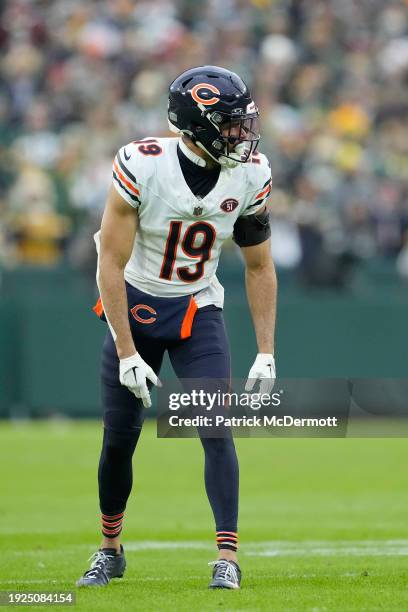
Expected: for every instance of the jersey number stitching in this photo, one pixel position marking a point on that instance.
(201, 251)
(148, 146)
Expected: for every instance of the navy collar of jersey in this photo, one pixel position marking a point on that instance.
(196, 159)
(200, 179)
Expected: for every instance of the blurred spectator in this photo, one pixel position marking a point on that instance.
(32, 220)
(78, 80)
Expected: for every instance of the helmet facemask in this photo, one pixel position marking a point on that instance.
(236, 138)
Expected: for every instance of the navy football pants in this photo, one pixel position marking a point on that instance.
(204, 355)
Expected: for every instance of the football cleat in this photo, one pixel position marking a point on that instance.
(226, 575)
(105, 565)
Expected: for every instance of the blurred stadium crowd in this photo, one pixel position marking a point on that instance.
(79, 79)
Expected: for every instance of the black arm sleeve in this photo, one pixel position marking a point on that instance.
(252, 229)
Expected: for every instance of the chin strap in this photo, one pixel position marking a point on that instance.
(196, 159)
(226, 162)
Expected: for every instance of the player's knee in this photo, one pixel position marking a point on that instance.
(119, 446)
(216, 447)
(121, 428)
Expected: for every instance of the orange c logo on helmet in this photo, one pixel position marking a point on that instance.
(146, 321)
(206, 101)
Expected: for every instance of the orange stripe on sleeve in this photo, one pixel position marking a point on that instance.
(124, 179)
(264, 192)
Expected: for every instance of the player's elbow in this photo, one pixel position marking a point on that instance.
(111, 263)
(261, 265)
(262, 272)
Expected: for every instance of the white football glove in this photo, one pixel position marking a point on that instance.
(133, 372)
(263, 370)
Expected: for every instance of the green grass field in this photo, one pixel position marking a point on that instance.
(323, 523)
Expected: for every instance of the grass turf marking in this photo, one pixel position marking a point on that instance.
(272, 548)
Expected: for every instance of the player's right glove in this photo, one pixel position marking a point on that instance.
(263, 370)
(133, 374)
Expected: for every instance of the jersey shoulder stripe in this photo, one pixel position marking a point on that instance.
(260, 183)
(262, 195)
(266, 187)
(125, 181)
(123, 167)
(130, 195)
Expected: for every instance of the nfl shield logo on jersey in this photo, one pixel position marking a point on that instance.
(198, 210)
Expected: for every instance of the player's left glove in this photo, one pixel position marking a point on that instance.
(263, 370)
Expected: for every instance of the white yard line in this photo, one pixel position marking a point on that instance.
(54, 583)
(273, 548)
(329, 548)
(11, 582)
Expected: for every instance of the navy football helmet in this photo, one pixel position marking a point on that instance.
(214, 107)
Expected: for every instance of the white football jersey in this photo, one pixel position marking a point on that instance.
(179, 239)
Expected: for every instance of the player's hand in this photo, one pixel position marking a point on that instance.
(263, 370)
(133, 374)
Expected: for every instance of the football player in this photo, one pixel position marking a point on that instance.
(172, 204)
